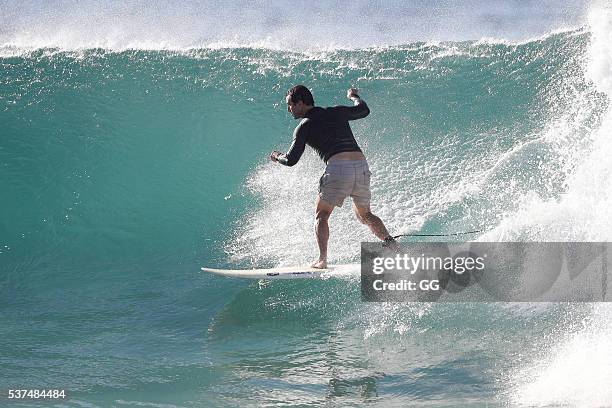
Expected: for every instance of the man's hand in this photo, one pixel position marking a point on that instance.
(274, 155)
(352, 92)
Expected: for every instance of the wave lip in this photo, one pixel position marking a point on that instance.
(279, 25)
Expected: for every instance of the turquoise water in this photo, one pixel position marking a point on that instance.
(122, 172)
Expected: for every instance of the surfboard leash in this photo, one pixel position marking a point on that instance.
(438, 235)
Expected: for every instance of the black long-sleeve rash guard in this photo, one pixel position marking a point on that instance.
(327, 131)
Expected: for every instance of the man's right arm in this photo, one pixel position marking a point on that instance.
(358, 111)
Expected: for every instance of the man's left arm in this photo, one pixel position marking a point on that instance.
(295, 151)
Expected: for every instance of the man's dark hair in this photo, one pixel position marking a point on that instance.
(300, 93)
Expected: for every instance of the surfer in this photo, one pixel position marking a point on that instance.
(327, 131)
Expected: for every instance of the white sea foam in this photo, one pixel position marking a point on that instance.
(283, 24)
(582, 212)
(577, 369)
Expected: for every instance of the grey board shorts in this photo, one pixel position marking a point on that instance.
(344, 178)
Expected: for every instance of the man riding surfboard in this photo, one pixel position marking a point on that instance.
(346, 174)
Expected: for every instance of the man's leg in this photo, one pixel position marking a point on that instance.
(365, 216)
(323, 210)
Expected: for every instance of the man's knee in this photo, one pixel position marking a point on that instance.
(322, 215)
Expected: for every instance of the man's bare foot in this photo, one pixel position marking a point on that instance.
(319, 264)
(391, 244)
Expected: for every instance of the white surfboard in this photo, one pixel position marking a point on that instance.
(289, 272)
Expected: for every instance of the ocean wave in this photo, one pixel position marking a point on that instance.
(281, 25)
